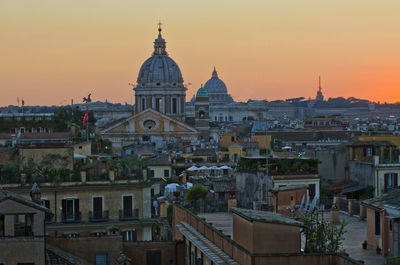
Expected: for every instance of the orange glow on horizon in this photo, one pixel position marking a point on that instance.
(52, 52)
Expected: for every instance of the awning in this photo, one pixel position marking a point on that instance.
(193, 168)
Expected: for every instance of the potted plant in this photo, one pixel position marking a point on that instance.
(378, 250)
(364, 244)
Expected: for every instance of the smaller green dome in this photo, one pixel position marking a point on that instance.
(202, 92)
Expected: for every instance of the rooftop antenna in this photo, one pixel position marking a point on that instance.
(319, 79)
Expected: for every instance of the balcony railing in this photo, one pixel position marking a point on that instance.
(127, 214)
(98, 216)
(71, 218)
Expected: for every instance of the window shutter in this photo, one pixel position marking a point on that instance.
(76, 202)
(64, 209)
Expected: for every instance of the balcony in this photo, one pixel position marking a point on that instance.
(98, 216)
(71, 217)
(128, 214)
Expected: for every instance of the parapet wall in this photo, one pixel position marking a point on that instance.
(240, 254)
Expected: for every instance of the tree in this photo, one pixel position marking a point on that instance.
(9, 173)
(196, 192)
(322, 236)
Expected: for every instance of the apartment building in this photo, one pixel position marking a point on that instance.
(101, 208)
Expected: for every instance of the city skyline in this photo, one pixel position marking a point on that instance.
(53, 53)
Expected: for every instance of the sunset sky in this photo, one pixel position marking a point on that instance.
(55, 51)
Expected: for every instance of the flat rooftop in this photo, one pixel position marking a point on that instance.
(221, 221)
(266, 217)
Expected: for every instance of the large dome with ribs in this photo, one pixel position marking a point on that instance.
(160, 68)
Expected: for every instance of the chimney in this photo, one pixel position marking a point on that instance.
(36, 194)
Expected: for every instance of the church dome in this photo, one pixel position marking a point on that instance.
(159, 67)
(202, 92)
(215, 85)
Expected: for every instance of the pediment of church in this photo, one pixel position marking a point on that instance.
(149, 121)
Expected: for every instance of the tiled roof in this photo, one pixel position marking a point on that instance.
(283, 155)
(44, 135)
(266, 217)
(249, 144)
(290, 187)
(8, 195)
(312, 136)
(223, 185)
(306, 176)
(54, 254)
(371, 143)
(161, 160)
(390, 198)
(204, 152)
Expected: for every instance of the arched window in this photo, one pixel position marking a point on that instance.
(202, 114)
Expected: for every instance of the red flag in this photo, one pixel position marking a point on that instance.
(85, 117)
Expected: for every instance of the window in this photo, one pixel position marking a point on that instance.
(174, 105)
(143, 103)
(48, 216)
(390, 180)
(149, 124)
(377, 224)
(368, 151)
(158, 104)
(202, 114)
(1, 225)
(264, 192)
(101, 259)
(23, 225)
(127, 205)
(391, 225)
(129, 235)
(166, 173)
(150, 173)
(46, 203)
(97, 205)
(70, 210)
(311, 189)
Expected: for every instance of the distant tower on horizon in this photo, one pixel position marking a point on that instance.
(320, 96)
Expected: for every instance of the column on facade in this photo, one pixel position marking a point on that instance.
(163, 105)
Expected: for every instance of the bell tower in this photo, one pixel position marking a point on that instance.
(202, 114)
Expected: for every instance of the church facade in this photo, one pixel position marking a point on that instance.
(160, 114)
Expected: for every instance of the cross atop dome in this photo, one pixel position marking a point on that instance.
(159, 28)
(159, 43)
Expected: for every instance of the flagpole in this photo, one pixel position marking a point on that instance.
(87, 131)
